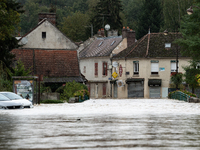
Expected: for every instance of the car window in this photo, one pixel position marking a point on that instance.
(12, 96)
(4, 98)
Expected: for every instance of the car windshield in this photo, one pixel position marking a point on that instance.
(4, 98)
(12, 96)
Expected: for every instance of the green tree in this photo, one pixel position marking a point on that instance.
(150, 17)
(190, 31)
(173, 11)
(19, 69)
(190, 72)
(5, 83)
(9, 12)
(107, 12)
(74, 26)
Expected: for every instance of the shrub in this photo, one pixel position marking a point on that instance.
(184, 91)
(70, 88)
(51, 101)
(83, 93)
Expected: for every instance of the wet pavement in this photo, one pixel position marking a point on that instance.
(103, 124)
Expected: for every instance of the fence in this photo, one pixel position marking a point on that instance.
(180, 96)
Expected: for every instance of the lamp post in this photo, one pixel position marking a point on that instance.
(166, 33)
(190, 10)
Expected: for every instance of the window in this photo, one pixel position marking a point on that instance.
(96, 69)
(136, 67)
(173, 66)
(167, 45)
(104, 68)
(84, 69)
(154, 67)
(43, 35)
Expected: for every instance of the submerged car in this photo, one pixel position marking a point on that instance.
(6, 103)
(16, 98)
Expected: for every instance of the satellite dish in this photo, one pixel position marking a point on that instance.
(24, 40)
(107, 27)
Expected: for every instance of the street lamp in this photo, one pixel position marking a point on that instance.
(166, 33)
(190, 10)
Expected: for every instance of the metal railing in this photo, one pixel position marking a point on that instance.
(180, 96)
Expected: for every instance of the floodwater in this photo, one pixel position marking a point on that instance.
(103, 125)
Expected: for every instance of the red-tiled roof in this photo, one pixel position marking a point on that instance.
(49, 63)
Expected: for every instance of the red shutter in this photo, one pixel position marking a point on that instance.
(106, 71)
(104, 88)
(96, 69)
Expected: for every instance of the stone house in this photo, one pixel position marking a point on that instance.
(96, 63)
(48, 52)
(146, 67)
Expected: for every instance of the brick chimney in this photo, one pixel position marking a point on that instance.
(51, 17)
(129, 34)
(102, 32)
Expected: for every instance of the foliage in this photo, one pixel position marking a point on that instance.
(74, 26)
(5, 83)
(107, 12)
(19, 69)
(70, 88)
(52, 101)
(190, 31)
(150, 17)
(9, 18)
(173, 11)
(45, 89)
(177, 79)
(190, 72)
(83, 93)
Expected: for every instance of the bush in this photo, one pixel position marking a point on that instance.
(82, 93)
(70, 88)
(184, 91)
(51, 101)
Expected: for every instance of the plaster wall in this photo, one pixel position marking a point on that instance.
(145, 72)
(54, 38)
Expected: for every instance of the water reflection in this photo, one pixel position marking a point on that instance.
(100, 132)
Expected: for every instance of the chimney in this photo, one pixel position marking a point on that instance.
(99, 32)
(102, 32)
(130, 37)
(51, 17)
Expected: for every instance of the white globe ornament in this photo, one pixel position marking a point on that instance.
(107, 27)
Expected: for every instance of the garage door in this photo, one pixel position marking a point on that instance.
(154, 92)
(135, 89)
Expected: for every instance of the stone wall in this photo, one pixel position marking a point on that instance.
(50, 96)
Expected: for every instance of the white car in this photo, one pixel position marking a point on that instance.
(16, 98)
(6, 103)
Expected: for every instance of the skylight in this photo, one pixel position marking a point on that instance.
(112, 43)
(100, 43)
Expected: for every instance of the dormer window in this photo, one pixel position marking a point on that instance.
(167, 45)
(43, 35)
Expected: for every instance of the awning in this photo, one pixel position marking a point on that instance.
(154, 82)
(134, 80)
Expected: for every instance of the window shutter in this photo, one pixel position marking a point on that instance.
(96, 69)
(154, 67)
(173, 66)
(106, 71)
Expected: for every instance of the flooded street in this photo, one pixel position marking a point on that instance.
(103, 124)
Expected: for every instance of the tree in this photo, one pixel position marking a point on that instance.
(9, 11)
(107, 12)
(19, 69)
(74, 26)
(173, 10)
(190, 72)
(190, 31)
(150, 17)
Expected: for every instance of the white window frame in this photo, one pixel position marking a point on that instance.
(167, 45)
(154, 67)
(173, 66)
(136, 67)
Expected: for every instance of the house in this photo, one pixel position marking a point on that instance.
(146, 67)
(96, 63)
(48, 52)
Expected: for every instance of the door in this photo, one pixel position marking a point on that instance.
(136, 89)
(154, 92)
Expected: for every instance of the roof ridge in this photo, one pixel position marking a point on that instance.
(137, 45)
